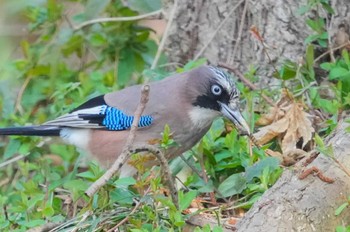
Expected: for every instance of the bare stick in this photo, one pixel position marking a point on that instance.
(246, 82)
(331, 50)
(18, 106)
(342, 167)
(239, 37)
(14, 159)
(117, 19)
(127, 147)
(165, 36)
(217, 30)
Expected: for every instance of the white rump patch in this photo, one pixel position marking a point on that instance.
(76, 137)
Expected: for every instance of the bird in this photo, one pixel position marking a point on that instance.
(187, 102)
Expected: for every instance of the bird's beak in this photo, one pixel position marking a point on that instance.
(235, 116)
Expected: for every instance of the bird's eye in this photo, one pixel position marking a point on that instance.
(216, 90)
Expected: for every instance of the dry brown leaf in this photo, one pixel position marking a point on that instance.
(267, 133)
(276, 112)
(273, 153)
(290, 128)
(299, 127)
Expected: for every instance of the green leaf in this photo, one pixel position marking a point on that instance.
(122, 196)
(234, 184)
(323, 42)
(310, 56)
(257, 169)
(77, 187)
(341, 229)
(94, 8)
(12, 148)
(186, 199)
(125, 182)
(341, 208)
(217, 229)
(311, 38)
(313, 24)
(318, 140)
(327, 7)
(303, 9)
(48, 211)
(338, 73)
(145, 6)
(327, 66)
(87, 175)
(328, 105)
(97, 40)
(288, 71)
(126, 66)
(32, 223)
(346, 57)
(207, 188)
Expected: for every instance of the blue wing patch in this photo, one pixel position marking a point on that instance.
(115, 119)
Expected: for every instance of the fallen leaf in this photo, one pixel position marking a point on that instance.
(267, 133)
(299, 127)
(290, 126)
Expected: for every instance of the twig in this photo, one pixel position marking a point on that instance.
(165, 35)
(131, 213)
(127, 147)
(14, 159)
(246, 82)
(328, 22)
(342, 167)
(116, 19)
(240, 30)
(164, 167)
(194, 169)
(331, 50)
(217, 29)
(18, 105)
(304, 89)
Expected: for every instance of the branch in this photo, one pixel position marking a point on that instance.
(116, 19)
(127, 147)
(239, 37)
(332, 50)
(165, 35)
(14, 159)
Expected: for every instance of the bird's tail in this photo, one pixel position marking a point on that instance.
(31, 131)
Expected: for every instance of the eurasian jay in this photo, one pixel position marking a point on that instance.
(188, 102)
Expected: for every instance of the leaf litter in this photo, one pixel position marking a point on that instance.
(291, 125)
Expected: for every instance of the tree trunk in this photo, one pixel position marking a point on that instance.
(219, 30)
(309, 204)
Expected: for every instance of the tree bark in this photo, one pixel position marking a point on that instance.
(309, 204)
(196, 32)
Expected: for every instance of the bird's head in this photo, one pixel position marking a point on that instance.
(213, 93)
